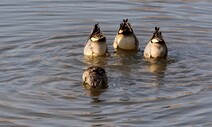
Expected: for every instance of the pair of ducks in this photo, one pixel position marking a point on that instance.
(95, 77)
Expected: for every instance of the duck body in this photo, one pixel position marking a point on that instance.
(95, 77)
(125, 38)
(93, 48)
(96, 44)
(156, 47)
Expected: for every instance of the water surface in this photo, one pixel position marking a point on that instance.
(41, 53)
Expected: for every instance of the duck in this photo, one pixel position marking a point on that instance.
(96, 44)
(125, 38)
(156, 47)
(95, 77)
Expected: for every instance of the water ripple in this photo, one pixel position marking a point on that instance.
(42, 63)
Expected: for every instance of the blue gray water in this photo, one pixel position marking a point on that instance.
(41, 64)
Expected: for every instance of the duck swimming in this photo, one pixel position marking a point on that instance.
(125, 38)
(95, 77)
(156, 47)
(96, 44)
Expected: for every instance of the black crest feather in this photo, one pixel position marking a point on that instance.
(96, 33)
(126, 27)
(157, 35)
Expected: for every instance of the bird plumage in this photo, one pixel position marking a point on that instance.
(96, 44)
(95, 77)
(156, 47)
(125, 38)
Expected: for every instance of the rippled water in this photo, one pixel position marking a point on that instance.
(41, 45)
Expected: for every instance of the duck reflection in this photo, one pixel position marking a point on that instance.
(94, 93)
(96, 61)
(126, 57)
(124, 53)
(156, 66)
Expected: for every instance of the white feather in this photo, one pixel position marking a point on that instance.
(155, 40)
(94, 39)
(120, 31)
